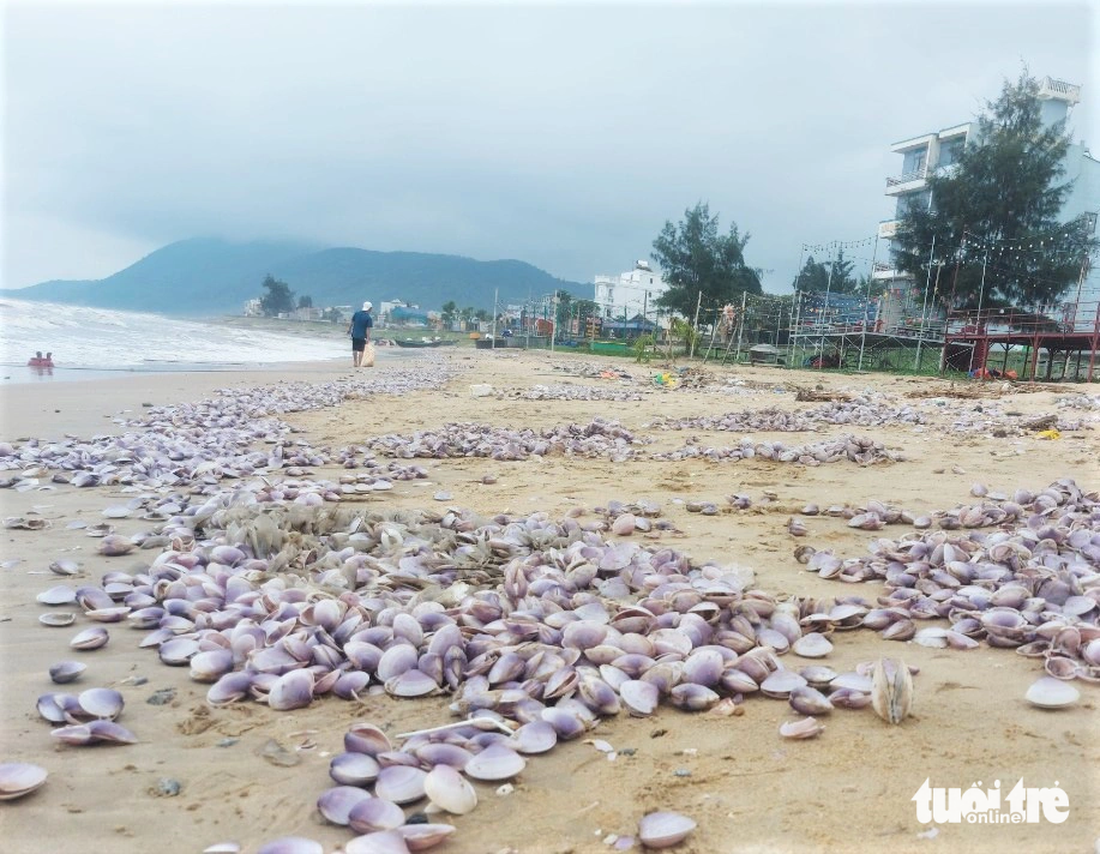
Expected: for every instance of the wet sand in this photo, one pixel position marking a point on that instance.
(850, 789)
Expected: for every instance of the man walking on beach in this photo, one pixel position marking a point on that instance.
(359, 330)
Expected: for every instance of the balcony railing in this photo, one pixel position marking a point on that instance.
(888, 229)
(907, 177)
(1049, 87)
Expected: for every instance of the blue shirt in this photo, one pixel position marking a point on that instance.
(361, 321)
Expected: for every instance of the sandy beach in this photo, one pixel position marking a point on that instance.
(246, 774)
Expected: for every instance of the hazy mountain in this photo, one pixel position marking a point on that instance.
(211, 276)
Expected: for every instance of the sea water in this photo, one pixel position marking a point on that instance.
(88, 342)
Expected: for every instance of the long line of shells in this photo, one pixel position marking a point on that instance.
(598, 438)
(208, 441)
(868, 410)
(856, 449)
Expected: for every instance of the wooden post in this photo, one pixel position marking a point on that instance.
(740, 327)
(695, 325)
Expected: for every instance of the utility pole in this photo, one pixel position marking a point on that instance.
(553, 318)
(496, 297)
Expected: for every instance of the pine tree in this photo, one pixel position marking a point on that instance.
(812, 278)
(1000, 205)
(695, 258)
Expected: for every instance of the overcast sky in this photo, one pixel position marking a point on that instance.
(564, 135)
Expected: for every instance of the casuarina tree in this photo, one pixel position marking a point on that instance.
(695, 258)
(999, 208)
(279, 298)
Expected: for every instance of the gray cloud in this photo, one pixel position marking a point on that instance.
(561, 135)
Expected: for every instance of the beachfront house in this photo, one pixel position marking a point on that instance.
(936, 151)
(630, 293)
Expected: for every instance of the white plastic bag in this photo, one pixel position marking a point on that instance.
(368, 355)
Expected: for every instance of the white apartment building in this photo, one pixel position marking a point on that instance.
(631, 293)
(936, 152)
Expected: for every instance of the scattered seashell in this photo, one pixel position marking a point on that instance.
(1050, 693)
(664, 829)
(804, 728)
(892, 690)
(18, 779)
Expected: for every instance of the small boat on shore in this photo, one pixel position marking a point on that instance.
(40, 361)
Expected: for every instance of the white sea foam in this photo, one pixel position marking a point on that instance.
(95, 338)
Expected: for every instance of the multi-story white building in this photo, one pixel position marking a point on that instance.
(630, 293)
(935, 153)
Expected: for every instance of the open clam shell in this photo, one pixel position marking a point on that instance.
(366, 738)
(20, 778)
(57, 619)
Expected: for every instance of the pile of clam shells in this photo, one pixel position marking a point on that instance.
(598, 438)
(437, 765)
(90, 717)
(1088, 402)
(206, 441)
(1021, 573)
(592, 370)
(856, 449)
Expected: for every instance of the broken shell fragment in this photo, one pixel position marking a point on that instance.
(57, 619)
(805, 728)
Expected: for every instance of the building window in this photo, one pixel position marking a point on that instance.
(950, 151)
(914, 161)
(910, 201)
